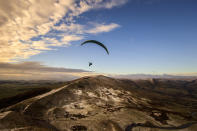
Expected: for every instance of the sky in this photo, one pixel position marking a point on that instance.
(142, 36)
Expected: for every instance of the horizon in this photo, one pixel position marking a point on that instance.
(37, 71)
(144, 37)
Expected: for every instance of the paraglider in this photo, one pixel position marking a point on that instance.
(96, 42)
(90, 63)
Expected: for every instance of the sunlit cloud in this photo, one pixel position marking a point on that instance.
(69, 38)
(25, 26)
(99, 28)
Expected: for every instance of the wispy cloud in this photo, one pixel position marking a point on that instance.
(69, 38)
(99, 28)
(21, 21)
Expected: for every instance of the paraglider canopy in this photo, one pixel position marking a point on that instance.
(97, 43)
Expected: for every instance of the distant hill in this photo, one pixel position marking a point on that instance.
(150, 76)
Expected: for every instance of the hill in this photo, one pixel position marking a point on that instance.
(102, 103)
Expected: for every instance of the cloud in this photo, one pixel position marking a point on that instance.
(91, 28)
(69, 38)
(110, 4)
(35, 66)
(99, 28)
(70, 28)
(29, 27)
(37, 71)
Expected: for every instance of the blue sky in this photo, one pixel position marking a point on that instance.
(142, 36)
(157, 37)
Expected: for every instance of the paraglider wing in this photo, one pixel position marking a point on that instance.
(98, 43)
